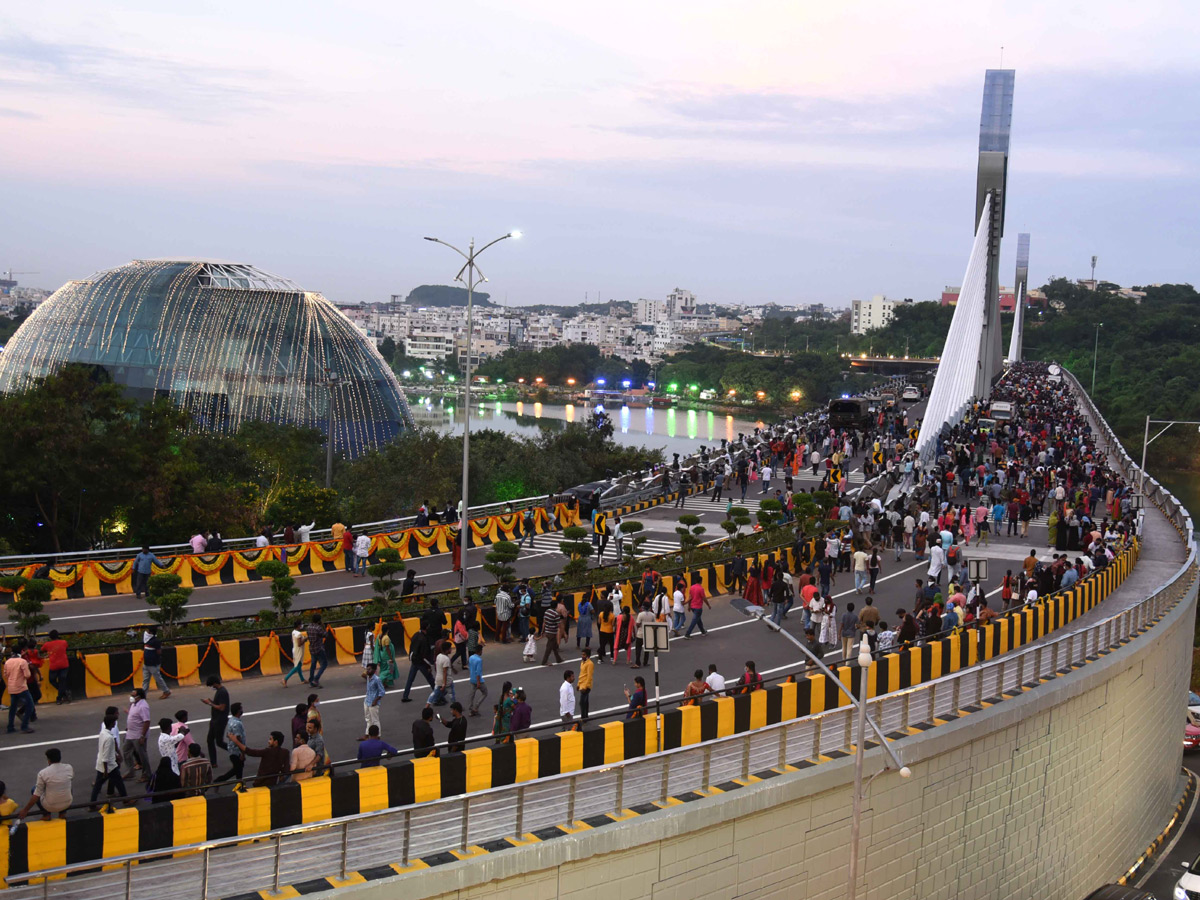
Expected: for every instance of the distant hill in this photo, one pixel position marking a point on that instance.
(444, 295)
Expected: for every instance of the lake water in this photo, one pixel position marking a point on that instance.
(1184, 485)
(669, 430)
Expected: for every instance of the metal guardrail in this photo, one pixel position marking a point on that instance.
(403, 835)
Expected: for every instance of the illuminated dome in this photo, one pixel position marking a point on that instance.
(227, 342)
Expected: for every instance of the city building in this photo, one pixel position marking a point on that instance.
(867, 315)
(1008, 297)
(227, 342)
(431, 347)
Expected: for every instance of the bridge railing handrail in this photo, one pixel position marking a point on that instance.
(524, 807)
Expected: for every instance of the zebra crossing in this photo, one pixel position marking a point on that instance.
(653, 546)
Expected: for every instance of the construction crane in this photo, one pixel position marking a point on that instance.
(10, 273)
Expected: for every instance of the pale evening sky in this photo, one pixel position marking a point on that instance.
(752, 152)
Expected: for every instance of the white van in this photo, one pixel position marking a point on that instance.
(1002, 411)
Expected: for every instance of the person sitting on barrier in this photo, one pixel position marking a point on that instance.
(637, 699)
(195, 772)
(424, 743)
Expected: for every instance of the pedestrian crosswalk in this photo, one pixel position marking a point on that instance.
(552, 543)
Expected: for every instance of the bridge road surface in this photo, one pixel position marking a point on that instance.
(733, 638)
(329, 588)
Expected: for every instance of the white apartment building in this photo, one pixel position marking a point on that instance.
(867, 315)
(680, 303)
(430, 347)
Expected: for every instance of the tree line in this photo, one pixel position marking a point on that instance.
(86, 467)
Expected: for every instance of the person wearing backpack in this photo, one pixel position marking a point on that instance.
(418, 661)
(527, 528)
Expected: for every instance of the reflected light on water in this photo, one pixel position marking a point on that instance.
(570, 411)
(671, 422)
(691, 423)
(520, 408)
(624, 420)
(537, 410)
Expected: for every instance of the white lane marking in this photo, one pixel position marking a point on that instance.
(488, 675)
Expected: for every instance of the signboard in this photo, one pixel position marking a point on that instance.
(1137, 501)
(656, 636)
(977, 570)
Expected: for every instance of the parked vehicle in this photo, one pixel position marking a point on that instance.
(911, 394)
(1002, 411)
(1188, 885)
(1191, 737)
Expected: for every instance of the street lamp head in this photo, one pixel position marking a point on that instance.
(514, 234)
(431, 239)
(864, 653)
(905, 772)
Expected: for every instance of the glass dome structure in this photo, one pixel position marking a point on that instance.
(227, 342)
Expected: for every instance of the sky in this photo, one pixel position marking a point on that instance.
(750, 152)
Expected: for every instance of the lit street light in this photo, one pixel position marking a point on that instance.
(473, 277)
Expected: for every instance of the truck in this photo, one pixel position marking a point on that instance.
(849, 412)
(1002, 411)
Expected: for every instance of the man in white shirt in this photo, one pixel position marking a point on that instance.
(304, 532)
(766, 479)
(362, 549)
(108, 762)
(715, 681)
(678, 610)
(566, 696)
(937, 561)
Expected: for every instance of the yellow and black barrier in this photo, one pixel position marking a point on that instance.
(401, 782)
(95, 578)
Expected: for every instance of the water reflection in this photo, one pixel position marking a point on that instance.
(672, 430)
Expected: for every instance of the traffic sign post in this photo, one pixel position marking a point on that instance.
(656, 638)
(977, 573)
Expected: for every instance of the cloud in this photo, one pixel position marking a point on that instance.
(6, 113)
(172, 87)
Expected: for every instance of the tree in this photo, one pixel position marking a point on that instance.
(283, 585)
(499, 560)
(577, 550)
(739, 518)
(30, 595)
(384, 581)
(303, 501)
(689, 531)
(387, 348)
(769, 514)
(633, 546)
(164, 592)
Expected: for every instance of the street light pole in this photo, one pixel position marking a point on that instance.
(860, 703)
(1095, 354)
(1147, 441)
(474, 277)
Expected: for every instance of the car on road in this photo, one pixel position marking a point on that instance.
(1194, 708)
(911, 394)
(1191, 737)
(1188, 885)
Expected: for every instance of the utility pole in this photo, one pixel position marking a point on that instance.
(1095, 354)
(1094, 285)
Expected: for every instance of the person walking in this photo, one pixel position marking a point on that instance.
(137, 727)
(299, 639)
(874, 564)
(443, 684)
(718, 487)
(479, 689)
(696, 602)
(849, 624)
(319, 660)
(17, 676)
(583, 624)
(143, 566)
(235, 741)
(374, 696)
(219, 717)
(551, 631)
(504, 613)
(566, 697)
(108, 759)
(418, 663)
(151, 660)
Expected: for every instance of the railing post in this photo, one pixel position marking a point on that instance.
(706, 774)
(904, 711)
(746, 756)
(278, 854)
(466, 822)
(783, 746)
(956, 694)
(571, 798)
(204, 875)
(932, 700)
(129, 879)
(620, 789)
(408, 831)
(345, 847)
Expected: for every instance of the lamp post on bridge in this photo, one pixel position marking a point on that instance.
(860, 704)
(1147, 441)
(474, 277)
(1095, 354)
